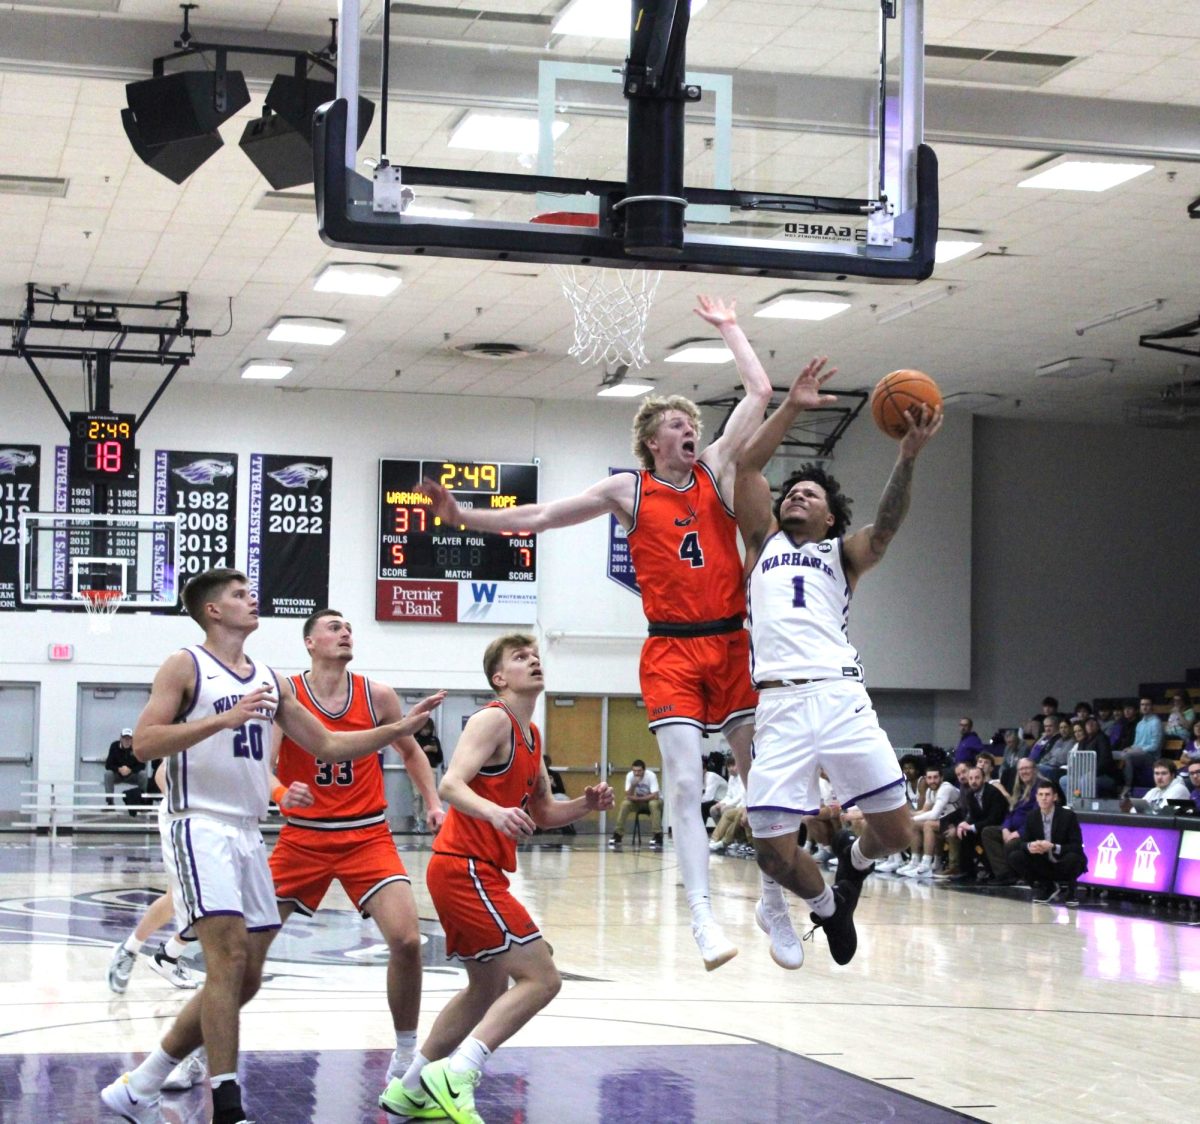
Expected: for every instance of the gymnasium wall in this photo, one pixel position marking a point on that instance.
(910, 618)
(1086, 574)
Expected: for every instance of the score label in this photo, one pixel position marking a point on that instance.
(428, 571)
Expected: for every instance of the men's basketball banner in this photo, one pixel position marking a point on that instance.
(20, 471)
(288, 556)
(620, 564)
(201, 488)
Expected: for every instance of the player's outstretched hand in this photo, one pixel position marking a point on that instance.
(259, 703)
(445, 506)
(599, 797)
(425, 707)
(715, 310)
(434, 818)
(805, 392)
(513, 822)
(923, 424)
(298, 795)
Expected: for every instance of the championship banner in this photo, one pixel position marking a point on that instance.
(201, 488)
(20, 472)
(288, 557)
(620, 564)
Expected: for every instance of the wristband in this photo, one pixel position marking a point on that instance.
(278, 793)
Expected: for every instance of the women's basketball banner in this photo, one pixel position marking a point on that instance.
(288, 557)
(20, 470)
(620, 564)
(201, 488)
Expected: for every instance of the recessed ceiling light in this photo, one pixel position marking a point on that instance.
(491, 133)
(625, 390)
(948, 250)
(814, 307)
(295, 329)
(600, 19)
(701, 355)
(1085, 175)
(266, 369)
(358, 280)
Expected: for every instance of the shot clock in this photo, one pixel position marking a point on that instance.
(101, 447)
(432, 572)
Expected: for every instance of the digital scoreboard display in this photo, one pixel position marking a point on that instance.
(101, 446)
(428, 571)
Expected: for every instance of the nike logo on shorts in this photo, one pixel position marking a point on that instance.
(860, 709)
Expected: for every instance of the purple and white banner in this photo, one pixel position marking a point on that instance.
(20, 473)
(620, 564)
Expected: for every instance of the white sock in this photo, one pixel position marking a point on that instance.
(406, 1044)
(681, 754)
(174, 948)
(772, 894)
(926, 862)
(701, 908)
(857, 859)
(472, 1054)
(132, 944)
(823, 905)
(412, 1076)
(147, 1079)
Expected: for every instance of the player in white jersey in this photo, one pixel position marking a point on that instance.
(814, 712)
(210, 714)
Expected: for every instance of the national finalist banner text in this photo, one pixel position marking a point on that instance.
(287, 559)
(20, 472)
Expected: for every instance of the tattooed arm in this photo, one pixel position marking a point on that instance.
(867, 546)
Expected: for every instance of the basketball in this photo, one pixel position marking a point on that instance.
(895, 394)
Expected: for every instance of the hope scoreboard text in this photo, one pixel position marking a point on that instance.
(428, 571)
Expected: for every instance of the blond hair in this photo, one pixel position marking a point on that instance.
(494, 653)
(649, 417)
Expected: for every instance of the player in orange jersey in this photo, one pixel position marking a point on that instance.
(695, 679)
(499, 791)
(344, 834)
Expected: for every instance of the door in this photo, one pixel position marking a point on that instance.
(18, 748)
(104, 710)
(575, 743)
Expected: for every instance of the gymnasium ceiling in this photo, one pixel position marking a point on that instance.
(1051, 262)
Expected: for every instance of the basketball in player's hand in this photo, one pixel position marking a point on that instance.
(895, 394)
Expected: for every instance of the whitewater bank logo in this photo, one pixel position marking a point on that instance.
(503, 597)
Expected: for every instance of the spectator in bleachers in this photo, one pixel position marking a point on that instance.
(1048, 737)
(1020, 804)
(914, 787)
(1014, 750)
(969, 742)
(1108, 771)
(1053, 763)
(1049, 855)
(1191, 748)
(1181, 718)
(1083, 711)
(1193, 780)
(641, 795)
(713, 785)
(1049, 710)
(940, 797)
(1123, 732)
(728, 812)
(984, 807)
(121, 767)
(1167, 786)
(1108, 719)
(1146, 746)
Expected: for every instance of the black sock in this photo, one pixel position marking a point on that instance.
(227, 1103)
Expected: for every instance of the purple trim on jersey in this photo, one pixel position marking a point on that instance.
(261, 928)
(253, 667)
(873, 792)
(195, 687)
(187, 836)
(227, 913)
(783, 808)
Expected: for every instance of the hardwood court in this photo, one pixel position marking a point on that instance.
(978, 1006)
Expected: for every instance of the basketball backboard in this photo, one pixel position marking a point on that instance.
(66, 558)
(786, 145)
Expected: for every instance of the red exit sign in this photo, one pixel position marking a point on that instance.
(61, 652)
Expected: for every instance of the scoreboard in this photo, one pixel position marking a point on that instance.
(428, 571)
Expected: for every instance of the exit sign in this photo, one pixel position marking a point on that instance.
(61, 652)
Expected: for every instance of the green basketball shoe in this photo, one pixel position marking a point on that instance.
(455, 1092)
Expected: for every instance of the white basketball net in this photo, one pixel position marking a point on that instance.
(611, 307)
(101, 606)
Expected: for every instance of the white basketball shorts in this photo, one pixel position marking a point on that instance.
(216, 868)
(799, 731)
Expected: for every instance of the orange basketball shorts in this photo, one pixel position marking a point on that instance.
(478, 912)
(701, 681)
(306, 860)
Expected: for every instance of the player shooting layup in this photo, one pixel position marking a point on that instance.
(813, 711)
(678, 515)
(209, 714)
(344, 834)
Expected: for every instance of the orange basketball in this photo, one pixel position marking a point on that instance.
(895, 394)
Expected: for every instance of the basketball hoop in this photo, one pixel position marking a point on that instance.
(611, 306)
(101, 604)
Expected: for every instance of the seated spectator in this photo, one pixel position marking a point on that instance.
(121, 767)
(1108, 772)
(1014, 750)
(985, 761)
(996, 839)
(1182, 716)
(940, 796)
(1049, 710)
(728, 811)
(1047, 739)
(641, 795)
(559, 791)
(1126, 727)
(1191, 748)
(1167, 786)
(1107, 719)
(1146, 745)
(713, 785)
(1053, 763)
(1083, 711)
(1078, 738)
(1049, 855)
(1193, 780)
(914, 789)
(983, 807)
(969, 742)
